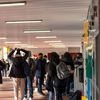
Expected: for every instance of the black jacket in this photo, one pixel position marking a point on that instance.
(2, 66)
(40, 68)
(53, 81)
(22, 71)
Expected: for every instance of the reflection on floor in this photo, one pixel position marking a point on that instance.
(6, 91)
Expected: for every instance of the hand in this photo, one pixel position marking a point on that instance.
(15, 48)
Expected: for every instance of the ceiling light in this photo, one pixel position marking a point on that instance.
(12, 3)
(21, 44)
(31, 47)
(42, 37)
(25, 46)
(13, 42)
(23, 21)
(57, 45)
(37, 31)
(53, 41)
(3, 38)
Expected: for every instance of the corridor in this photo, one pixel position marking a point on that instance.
(6, 91)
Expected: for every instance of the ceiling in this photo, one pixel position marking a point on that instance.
(64, 17)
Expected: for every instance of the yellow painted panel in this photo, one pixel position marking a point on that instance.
(84, 98)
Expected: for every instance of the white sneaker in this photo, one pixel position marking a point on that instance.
(36, 89)
(30, 98)
(24, 98)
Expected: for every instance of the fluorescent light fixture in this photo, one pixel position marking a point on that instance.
(23, 21)
(13, 42)
(25, 46)
(3, 38)
(21, 44)
(43, 37)
(53, 41)
(37, 31)
(31, 47)
(57, 45)
(20, 3)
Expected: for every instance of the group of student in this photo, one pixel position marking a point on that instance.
(23, 68)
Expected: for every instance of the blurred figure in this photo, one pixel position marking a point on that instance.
(7, 64)
(67, 58)
(29, 79)
(2, 66)
(54, 85)
(78, 59)
(4, 71)
(40, 72)
(18, 71)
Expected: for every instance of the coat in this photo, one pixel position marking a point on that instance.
(20, 70)
(2, 66)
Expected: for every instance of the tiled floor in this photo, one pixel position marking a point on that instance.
(6, 91)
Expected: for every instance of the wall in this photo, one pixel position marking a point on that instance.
(98, 60)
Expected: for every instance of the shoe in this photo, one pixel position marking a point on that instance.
(30, 98)
(24, 98)
(36, 89)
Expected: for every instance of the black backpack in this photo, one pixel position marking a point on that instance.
(76, 95)
(63, 70)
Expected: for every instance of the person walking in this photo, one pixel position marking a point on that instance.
(40, 72)
(67, 59)
(2, 66)
(29, 79)
(54, 85)
(18, 71)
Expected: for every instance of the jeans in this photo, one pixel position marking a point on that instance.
(28, 85)
(51, 95)
(40, 82)
(69, 85)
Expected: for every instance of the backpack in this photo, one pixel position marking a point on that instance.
(62, 70)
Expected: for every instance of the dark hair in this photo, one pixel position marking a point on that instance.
(54, 60)
(67, 58)
(45, 56)
(54, 57)
(40, 54)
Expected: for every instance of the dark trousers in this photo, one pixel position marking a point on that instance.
(39, 83)
(69, 81)
(28, 86)
(57, 95)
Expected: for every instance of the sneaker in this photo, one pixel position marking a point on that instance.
(36, 89)
(30, 98)
(24, 98)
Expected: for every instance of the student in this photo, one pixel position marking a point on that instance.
(19, 71)
(2, 66)
(29, 79)
(54, 85)
(40, 73)
(67, 58)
